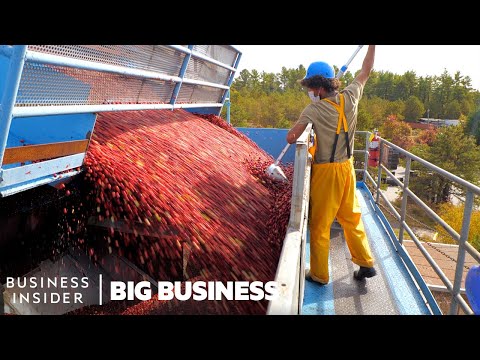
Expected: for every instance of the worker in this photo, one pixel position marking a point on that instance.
(333, 114)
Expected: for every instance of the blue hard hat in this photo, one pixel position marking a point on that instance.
(472, 287)
(320, 68)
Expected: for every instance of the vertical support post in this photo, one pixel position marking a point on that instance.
(365, 166)
(9, 94)
(379, 178)
(467, 214)
(229, 82)
(227, 104)
(406, 180)
(181, 75)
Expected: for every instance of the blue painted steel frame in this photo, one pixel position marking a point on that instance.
(230, 81)
(271, 141)
(181, 75)
(227, 104)
(50, 129)
(31, 172)
(15, 129)
(34, 130)
(9, 94)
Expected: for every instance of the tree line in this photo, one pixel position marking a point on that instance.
(261, 99)
(389, 103)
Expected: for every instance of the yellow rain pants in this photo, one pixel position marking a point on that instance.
(332, 194)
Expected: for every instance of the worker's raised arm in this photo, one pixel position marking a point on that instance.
(367, 65)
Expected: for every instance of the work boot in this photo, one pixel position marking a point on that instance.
(364, 272)
(310, 277)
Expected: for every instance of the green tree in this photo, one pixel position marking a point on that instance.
(442, 93)
(371, 90)
(269, 82)
(424, 90)
(364, 120)
(453, 151)
(242, 81)
(462, 93)
(288, 78)
(386, 85)
(385, 94)
(346, 79)
(377, 108)
(241, 104)
(414, 109)
(473, 126)
(283, 123)
(453, 110)
(294, 102)
(255, 82)
(396, 108)
(467, 106)
(405, 85)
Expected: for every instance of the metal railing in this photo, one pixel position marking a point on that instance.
(464, 247)
(290, 270)
(49, 59)
(40, 80)
(290, 276)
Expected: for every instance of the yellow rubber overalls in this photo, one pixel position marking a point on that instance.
(332, 194)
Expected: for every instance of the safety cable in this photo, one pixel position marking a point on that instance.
(418, 236)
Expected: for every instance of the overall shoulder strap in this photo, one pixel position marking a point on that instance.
(342, 120)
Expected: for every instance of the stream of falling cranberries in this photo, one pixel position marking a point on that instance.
(163, 187)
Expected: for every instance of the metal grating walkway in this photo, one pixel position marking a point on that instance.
(391, 292)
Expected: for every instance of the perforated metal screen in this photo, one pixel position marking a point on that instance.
(201, 70)
(223, 53)
(146, 57)
(195, 94)
(45, 84)
(56, 85)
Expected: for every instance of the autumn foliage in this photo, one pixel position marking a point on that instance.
(427, 136)
(453, 215)
(397, 132)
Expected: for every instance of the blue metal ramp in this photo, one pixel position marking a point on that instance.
(391, 292)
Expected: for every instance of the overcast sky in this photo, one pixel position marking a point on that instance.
(423, 59)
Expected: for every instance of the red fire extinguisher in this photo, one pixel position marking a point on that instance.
(374, 149)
